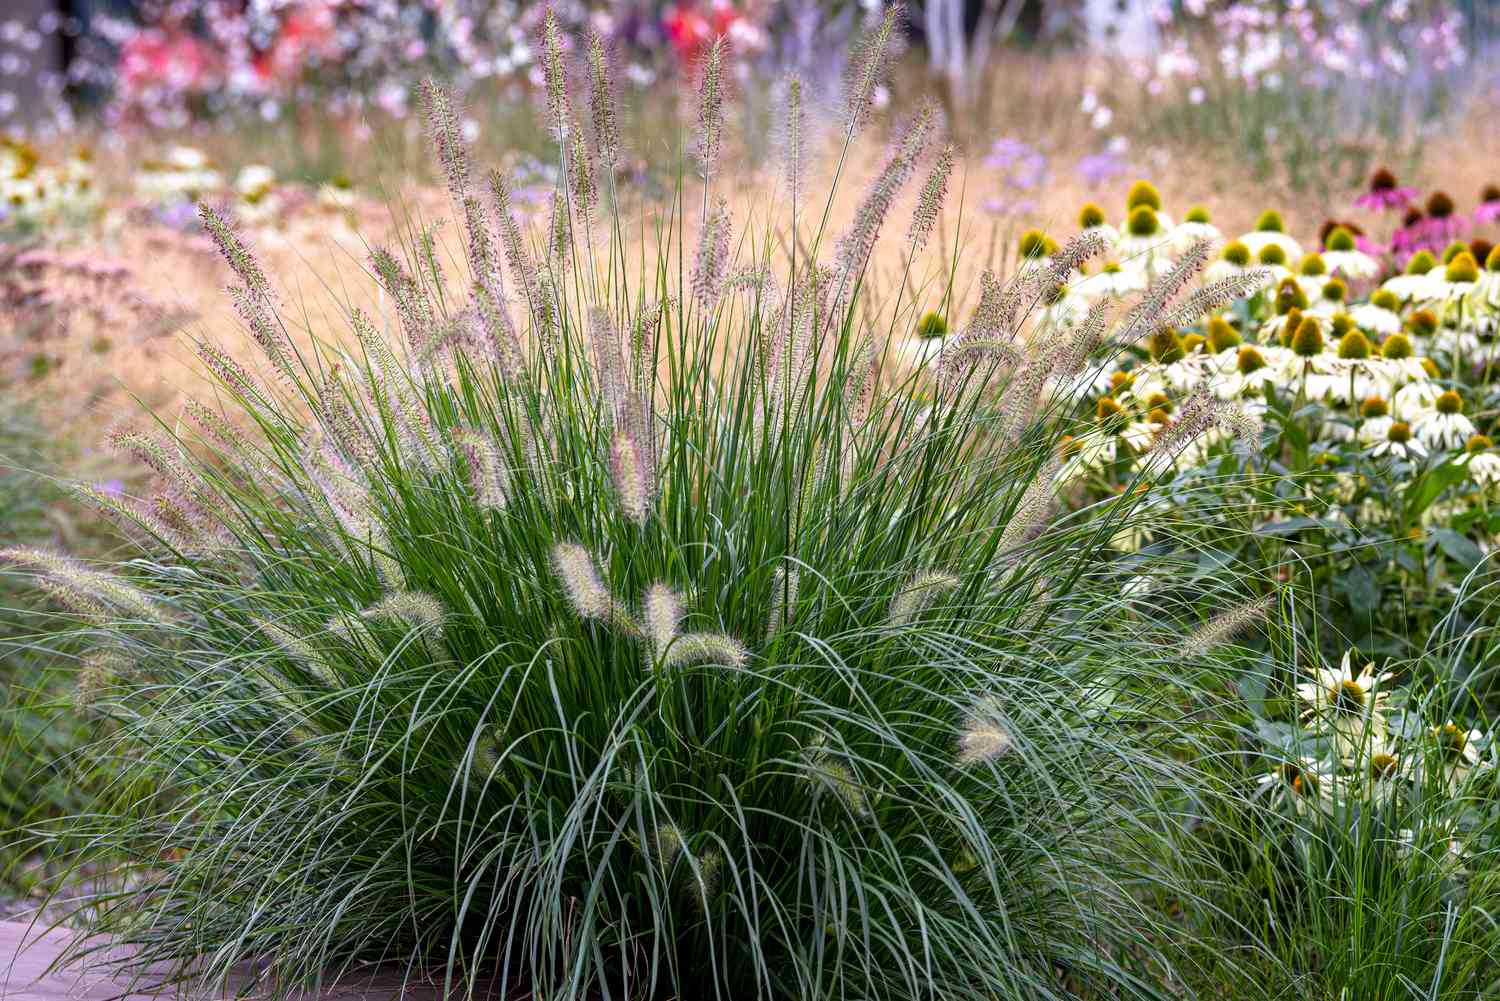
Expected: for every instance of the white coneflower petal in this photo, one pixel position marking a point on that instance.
(691, 649)
(663, 614)
(1225, 627)
(919, 592)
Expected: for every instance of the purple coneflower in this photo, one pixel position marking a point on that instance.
(1384, 193)
(1489, 205)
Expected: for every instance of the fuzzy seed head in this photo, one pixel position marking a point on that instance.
(602, 104)
(919, 592)
(1220, 630)
(627, 468)
(930, 201)
(707, 648)
(711, 107)
(663, 614)
(581, 582)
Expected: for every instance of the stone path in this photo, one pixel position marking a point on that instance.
(26, 951)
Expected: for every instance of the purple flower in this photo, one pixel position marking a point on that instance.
(1097, 169)
(1001, 206)
(111, 488)
(1386, 199)
(1487, 212)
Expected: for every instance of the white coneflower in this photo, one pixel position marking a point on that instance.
(1376, 317)
(691, 649)
(662, 611)
(1351, 704)
(1343, 257)
(1457, 750)
(1483, 467)
(632, 481)
(1271, 231)
(1195, 226)
(711, 107)
(415, 610)
(1398, 442)
(1226, 626)
(1444, 426)
(930, 201)
(919, 592)
(1305, 784)
(1419, 282)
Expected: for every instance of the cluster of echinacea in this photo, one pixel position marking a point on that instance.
(35, 194)
(1366, 741)
(1395, 371)
(1429, 223)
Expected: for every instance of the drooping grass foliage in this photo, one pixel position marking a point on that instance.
(641, 644)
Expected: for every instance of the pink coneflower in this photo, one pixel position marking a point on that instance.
(1489, 205)
(1442, 224)
(1384, 193)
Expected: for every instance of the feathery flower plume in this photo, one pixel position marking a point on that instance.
(1082, 247)
(666, 845)
(1200, 412)
(1033, 510)
(241, 261)
(795, 139)
(217, 427)
(523, 269)
(633, 487)
(1019, 402)
(583, 188)
(85, 606)
(487, 477)
(984, 737)
(1223, 628)
(497, 332)
(96, 672)
(836, 776)
(555, 78)
(1217, 294)
(919, 592)
(231, 373)
(82, 587)
(123, 513)
(414, 610)
(253, 313)
(486, 758)
(1084, 341)
(442, 121)
(602, 104)
(559, 230)
(713, 256)
(344, 428)
(966, 351)
(869, 67)
(609, 365)
(580, 579)
(930, 201)
(706, 648)
(412, 305)
(163, 459)
(711, 107)
(859, 240)
(709, 875)
(783, 599)
(663, 614)
(300, 650)
(1146, 314)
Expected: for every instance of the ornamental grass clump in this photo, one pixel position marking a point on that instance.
(634, 639)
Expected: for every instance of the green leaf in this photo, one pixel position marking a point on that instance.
(1362, 590)
(1458, 548)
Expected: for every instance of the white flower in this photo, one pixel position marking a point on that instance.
(1262, 238)
(254, 182)
(1440, 431)
(1303, 784)
(1355, 265)
(1368, 316)
(1185, 234)
(1416, 288)
(1484, 468)
(1415, 399)
(1351, 705)
(1112, 281)
(1398, 442)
